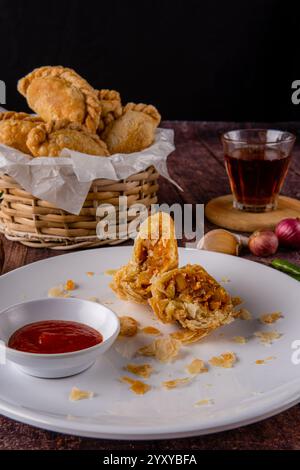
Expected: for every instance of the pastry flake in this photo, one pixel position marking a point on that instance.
(239, 339)
(197, 366)
(58, 291)
(128, 326)
(70, 285)
(170, 384)
(225, 360)
(48, 140)
(141, 370)
(155, 251)
(186, 336)
(237, 300)
(191, 297)
(267, 337)
(136, 386)
(264, 361)
(244, 314)
(77, 394)
(269, 318)
(14, 129)
(57, 93)
(163, 349)
(133, 131)
(151, 330)
(205, 401)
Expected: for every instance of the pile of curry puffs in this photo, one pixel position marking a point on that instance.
(70, 113)
(188, 296)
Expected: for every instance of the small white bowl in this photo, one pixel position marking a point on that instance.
(64, 364)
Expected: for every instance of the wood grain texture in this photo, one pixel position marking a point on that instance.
(197, 165)
(221, 212)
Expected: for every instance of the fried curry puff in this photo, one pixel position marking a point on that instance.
(56, 92)
(15, 127)
(155, 252)
(133, 131)
(51, 138)
(193, 298)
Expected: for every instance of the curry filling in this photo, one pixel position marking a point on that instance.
(155, 252)
(192, 297)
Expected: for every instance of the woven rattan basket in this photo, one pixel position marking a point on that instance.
(38, 223)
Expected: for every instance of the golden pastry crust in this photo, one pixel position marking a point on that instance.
(147, 109)
(155, 251)
(48, 140)
(57, 93)
(15, 127)
(191, 297)
(186, 336)
(19, 116)
(134, 130)
(111, 107)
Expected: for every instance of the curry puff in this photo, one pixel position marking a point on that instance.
(191, 297)
(111, 107)
(15, 127)
(51, 138)
(56, 93)
(133, 131)
(155, 252)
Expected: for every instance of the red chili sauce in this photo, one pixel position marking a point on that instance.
(54, 336)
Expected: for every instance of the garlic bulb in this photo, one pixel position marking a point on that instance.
(221, 241)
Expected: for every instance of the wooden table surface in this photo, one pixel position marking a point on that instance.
(197, 165)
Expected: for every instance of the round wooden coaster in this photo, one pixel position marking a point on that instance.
(221, 212)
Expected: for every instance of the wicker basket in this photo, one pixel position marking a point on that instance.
(37, 223)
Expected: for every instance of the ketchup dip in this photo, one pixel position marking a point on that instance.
(54, 337)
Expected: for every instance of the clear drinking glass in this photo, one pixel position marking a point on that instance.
(257, 162)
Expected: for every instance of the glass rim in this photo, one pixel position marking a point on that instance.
(289, 136)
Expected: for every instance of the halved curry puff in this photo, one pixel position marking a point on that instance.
(193, 298)
(155, 252)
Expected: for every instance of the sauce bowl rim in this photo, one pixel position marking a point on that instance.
(13, 351)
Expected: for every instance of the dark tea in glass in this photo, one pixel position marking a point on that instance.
(257, 162)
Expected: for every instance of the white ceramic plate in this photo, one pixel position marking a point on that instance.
(244, 394)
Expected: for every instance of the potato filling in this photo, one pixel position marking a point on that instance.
(197, 293)
(192, 297)
(155, 251)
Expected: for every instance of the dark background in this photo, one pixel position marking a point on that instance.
(195, 60)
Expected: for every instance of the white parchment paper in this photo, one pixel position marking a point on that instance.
(65, 181)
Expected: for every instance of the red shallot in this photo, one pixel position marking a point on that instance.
(288, 232)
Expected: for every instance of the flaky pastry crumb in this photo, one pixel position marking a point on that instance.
(239, 339)
(163, 349)
(269, 318)
(136, 386)
(267, 337)
(197, 366)
(225, 360)
(169, 384)
(142, 370)
(205, 401)
(77, 394)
